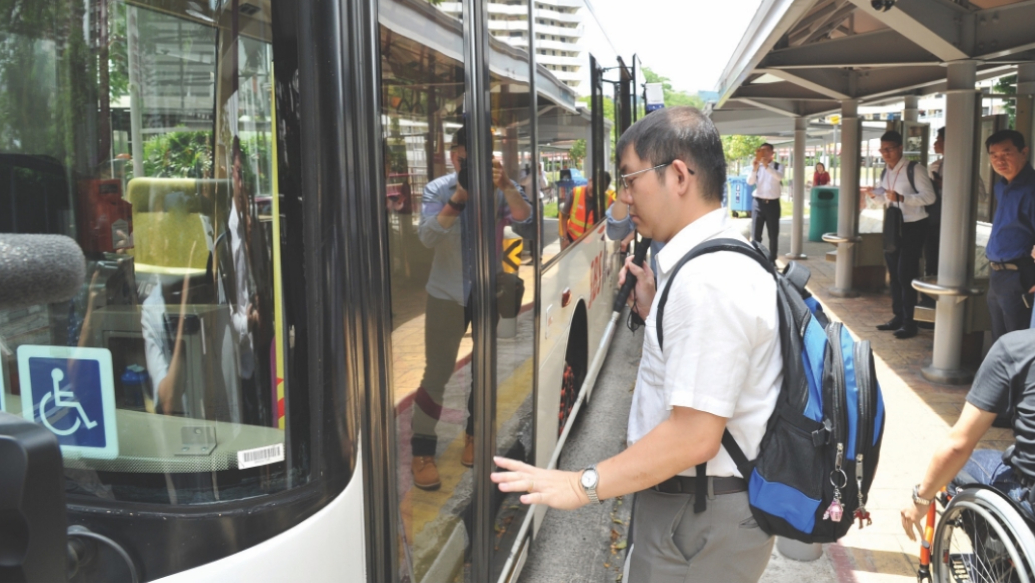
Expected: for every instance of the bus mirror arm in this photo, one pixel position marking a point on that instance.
(630, 280)
(32, 500)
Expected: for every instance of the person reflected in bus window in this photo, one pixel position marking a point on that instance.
(241, 290)
(820, 177)
(577, 214)
(447, 226)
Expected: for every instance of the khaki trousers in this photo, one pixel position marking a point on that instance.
(674, 545)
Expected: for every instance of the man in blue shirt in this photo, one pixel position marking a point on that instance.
(1012, 279)
(447, 227)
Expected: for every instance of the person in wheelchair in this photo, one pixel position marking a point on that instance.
(1004, 385)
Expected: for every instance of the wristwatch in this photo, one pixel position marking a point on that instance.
(457, 206)
(589, 480)
(917, 499)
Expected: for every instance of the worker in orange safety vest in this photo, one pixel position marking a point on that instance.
(576, 216)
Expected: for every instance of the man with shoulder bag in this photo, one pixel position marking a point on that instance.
(719, 368)
(905, 190)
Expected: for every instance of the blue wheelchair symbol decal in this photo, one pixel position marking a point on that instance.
(71, 392)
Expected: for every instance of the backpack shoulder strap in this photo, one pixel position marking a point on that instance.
(911, 174)
(710, 246)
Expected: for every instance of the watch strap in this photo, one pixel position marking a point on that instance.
(457, 206)
(591, 492)
(917, 499)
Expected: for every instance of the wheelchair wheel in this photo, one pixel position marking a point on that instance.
(981, 538)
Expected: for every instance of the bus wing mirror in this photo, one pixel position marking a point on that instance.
(33, 539)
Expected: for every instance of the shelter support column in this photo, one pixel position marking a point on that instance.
(911, 111)
(961, 115)
(798, 215)
(847, 201)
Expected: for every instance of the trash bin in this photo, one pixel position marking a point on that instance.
(740, 195)
(822, 212)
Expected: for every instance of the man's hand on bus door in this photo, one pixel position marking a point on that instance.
(553, 488)
(643, 294)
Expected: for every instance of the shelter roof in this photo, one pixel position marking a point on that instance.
(802, 58)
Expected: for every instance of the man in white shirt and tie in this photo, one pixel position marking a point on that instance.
(767, 177)
(905, 185)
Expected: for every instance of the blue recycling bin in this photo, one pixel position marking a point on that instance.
(741, 194)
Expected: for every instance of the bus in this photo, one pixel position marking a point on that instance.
(322, 290)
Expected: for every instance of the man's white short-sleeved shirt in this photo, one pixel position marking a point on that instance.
(722, 343)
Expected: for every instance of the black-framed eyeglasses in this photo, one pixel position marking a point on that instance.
(626, 183)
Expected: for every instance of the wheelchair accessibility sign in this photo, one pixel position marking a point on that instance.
(71, 392)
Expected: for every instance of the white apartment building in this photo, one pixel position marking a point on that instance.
(558, 30)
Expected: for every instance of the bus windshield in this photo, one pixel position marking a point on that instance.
(147, 133)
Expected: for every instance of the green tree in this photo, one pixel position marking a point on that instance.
(1008, 86)
(577, 152)
(737, 147)
(609, 114)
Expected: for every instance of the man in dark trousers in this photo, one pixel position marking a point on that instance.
(1012, 278)
(905, 185)
(767, 178)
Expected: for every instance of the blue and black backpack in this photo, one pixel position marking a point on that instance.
(822, 443)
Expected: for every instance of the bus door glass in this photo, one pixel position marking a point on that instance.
(517, 180)
(565, 107)
(147, 133)
(430, 248)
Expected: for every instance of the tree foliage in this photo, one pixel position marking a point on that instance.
(1008, 86)
(737, 147)
(577, 153)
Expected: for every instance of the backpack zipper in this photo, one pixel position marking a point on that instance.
(838, 477)
(865, 385)
(840, 402)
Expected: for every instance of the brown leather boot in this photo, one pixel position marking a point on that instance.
(468, 457)
(425, 472)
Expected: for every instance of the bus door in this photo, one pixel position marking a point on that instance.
(459, 199)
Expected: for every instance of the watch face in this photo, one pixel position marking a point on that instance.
(589, 479)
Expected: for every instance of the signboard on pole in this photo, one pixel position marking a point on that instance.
(654, 96)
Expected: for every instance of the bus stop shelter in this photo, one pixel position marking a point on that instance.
(805, 59)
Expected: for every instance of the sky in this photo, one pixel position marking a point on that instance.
(688, 41)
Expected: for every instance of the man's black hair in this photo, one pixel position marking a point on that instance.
(1002, 135)
(766, 145)
(679, 133)
(893, 137)
(941, 132)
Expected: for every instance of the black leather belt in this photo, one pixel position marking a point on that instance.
(688, 485)
(1003, 266)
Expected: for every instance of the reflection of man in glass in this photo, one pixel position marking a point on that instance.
(447, 227)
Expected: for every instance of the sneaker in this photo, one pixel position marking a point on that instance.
(892, 324)
(468, 456)
(425, 472)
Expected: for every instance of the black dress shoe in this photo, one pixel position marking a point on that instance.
(907, 330)
(892, 324)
